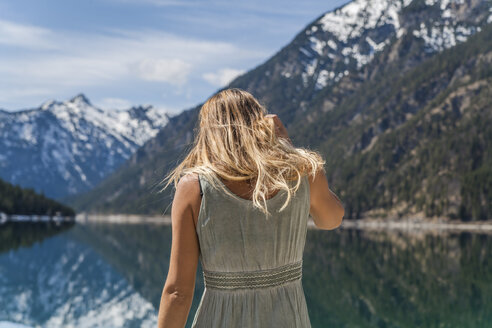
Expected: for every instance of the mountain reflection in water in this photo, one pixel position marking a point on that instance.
(111, 275)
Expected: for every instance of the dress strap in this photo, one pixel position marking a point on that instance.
(200, 184)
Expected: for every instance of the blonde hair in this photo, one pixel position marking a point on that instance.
(236, 142)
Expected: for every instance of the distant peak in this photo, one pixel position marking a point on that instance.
(48, 104)
(80, 98)
(141, 108)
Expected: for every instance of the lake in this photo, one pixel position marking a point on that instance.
(111, 275)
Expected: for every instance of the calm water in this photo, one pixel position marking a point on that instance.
(111, 275)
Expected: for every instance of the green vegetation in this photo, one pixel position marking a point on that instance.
(25, 201)
(408, 135)
(417, 141)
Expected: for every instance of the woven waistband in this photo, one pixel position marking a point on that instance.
(253, 279)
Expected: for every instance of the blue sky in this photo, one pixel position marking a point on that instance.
(169, 53)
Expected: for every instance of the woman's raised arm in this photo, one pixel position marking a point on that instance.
(326, 209)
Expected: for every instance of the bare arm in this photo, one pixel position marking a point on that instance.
(178, 290)
(326, 209)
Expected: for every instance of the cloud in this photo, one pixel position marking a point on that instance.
(174, 71)
(88, 60)
(161, 3)
(223, 76)
(70, 62)
(28, 36)
(114, 103)
(8, 94)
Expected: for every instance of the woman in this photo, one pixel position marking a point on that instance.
(243, 197)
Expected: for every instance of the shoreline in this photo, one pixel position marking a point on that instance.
(410, 224)
(4, 218)
(419, 225)
(122, 218)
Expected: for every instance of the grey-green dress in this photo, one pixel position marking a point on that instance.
(252, 266)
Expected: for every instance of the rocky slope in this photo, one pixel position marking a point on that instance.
(347, 85)
(62, 148)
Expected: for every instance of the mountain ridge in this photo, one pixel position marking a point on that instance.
(302, 107)
(64, 147)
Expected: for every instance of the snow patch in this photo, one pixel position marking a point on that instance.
(317, 45)
(351, 20)
(322, 79)
(438, 37)
(332, 44)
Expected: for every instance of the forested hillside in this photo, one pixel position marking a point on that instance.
(402, 122)
(25, 201)
(417, 142)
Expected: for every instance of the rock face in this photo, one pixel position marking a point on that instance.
(62, 148)
(336, 49)
(359, 84)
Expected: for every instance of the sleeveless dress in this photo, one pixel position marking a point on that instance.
(252, 266)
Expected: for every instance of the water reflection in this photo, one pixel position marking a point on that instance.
(351, 278)
(62, 282)
(359, 278)
(24, 234)
(140, 252)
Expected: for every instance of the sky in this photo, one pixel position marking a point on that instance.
(172, 54)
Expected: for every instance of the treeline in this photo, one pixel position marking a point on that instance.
(25, 201)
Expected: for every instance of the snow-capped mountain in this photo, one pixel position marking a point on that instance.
(335, 86)
(62, 148)
(336, 51)
(349, 37)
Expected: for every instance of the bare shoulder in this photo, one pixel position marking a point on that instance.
(188, 182)
(188, 193)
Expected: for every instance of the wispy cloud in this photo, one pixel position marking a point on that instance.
(8, 93)
(174, 71)
(223, 76)
(161, 3)
(285, 7)
(114, 103)
(71, 60)
(28, 36)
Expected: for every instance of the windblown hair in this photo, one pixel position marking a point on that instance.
(236, 142)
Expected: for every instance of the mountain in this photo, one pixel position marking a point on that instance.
(367, 84)
(332, 56)
(25, 201)
(416, 144)
(62, 148)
